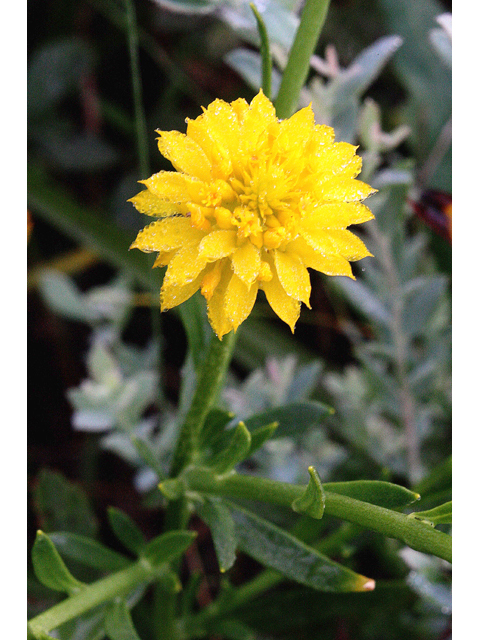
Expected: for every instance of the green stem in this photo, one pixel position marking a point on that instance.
(140, 121)
(392, 524)
(119, 583)
(210, 378)
(298, 65)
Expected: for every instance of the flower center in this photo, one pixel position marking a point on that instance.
(259, 201)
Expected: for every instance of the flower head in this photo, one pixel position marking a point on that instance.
(253, 204)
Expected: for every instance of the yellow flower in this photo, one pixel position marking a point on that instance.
(253, 204)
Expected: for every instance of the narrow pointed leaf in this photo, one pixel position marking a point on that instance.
(312, 502)
(50, 568)
(279, 550)
(236, 451)
(438, 515)
(264, 52)
(439, 479)
(126, 530)
(383, 494)
(88, 552)
(145, 451)
(260, 436)
(218, 517)
(215, 424)
(167, 546)
(172, 488)
(293, 418)
(62, 505)
(118, 623)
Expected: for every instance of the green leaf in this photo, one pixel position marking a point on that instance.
(147, 453)
(438, 515)
(172, 488)
(364, 299)
(312, 501)
(126, 530)
(119, 624)
(62, 505)
(439, 479)
(232, 630)
(219, 519)
(365, 68)
(50, 568)
(260, 436)
(236, 451)
(55, 72)
(293, 419)
(423, 296)
(167, 546)
(279, 550)
(383, 494)
(214, 426)
(264, 52)
(38, 635)
(63, 297)
(88, 552)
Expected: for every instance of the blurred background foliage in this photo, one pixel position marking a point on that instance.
(105, 370)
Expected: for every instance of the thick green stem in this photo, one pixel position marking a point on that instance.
(415, 534)
(116, 584)
(210, 378)
(296, 71)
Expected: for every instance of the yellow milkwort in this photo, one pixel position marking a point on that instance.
(254, 202)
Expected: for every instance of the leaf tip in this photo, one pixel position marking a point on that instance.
(369, 585)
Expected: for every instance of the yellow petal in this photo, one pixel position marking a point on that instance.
(185, 154)
(286, 308)
(240, 107)
(211, 279)
(218, 244)
(246, 262)
(322, 135)
(185, 266)
(294, 132)
(222, 122)
(256, 120)
(344, 190)
(150, 204)
(239, 300)
(216, 306)
(164, 258)
(216, 131)
(293, 275)
(172, 186)
(318, 239)
(167, 234)
(330, 265)
(336, 215)
(173, 295)
(337, 158)
(348, 245)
